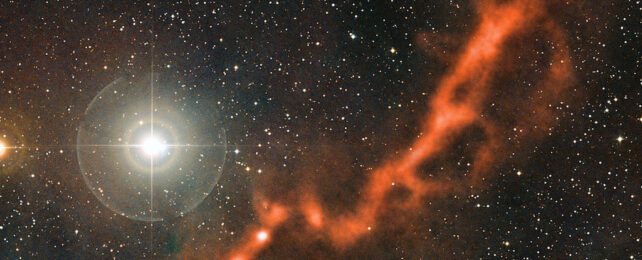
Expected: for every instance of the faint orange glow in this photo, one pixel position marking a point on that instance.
(313, 215)
(239, 257)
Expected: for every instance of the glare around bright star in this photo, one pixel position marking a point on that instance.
(153, 147)
(262, 236)
(3, 148)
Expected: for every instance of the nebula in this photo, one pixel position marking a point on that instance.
(481, 129)
(459, 103)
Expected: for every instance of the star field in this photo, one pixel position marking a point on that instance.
(356, 130)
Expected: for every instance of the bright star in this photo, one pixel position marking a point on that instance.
(153, 147)
(3, 148)
(262, 236)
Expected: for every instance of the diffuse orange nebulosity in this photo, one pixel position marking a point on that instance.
(460, 103)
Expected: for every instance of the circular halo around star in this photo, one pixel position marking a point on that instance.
(151, 168)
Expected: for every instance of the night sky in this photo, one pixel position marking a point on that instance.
(359, 130)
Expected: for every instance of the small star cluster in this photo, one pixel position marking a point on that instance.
(354, 130)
